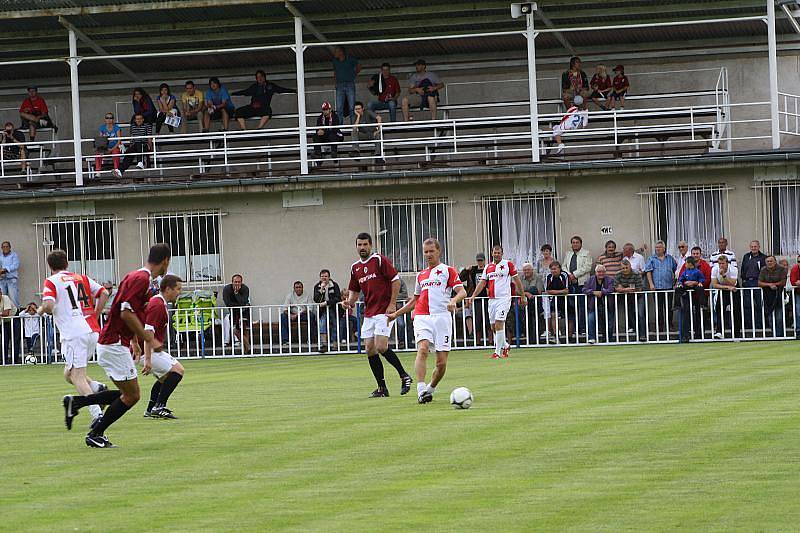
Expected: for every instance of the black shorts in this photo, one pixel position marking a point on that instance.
(617, 95)
(600, 94)
(217, 115)
(424, 99)
(248, 111)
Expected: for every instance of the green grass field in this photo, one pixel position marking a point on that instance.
(647, 438)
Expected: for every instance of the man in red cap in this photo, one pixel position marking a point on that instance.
(326, 134)
(619, 86)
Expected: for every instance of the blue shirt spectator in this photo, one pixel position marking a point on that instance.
(218, 97)
(9, 272)
(660, 268)
(692, 274)
(112, 133)
(345, 68)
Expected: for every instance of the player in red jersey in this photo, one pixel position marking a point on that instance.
(113, 349)
(376, 277)
(75, 301)
(166, 369)
(498, 275)
(437, 293)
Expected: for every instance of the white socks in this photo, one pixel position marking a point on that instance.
(95, 411)
(431, 389)
(499, 341)
(95, 386)
(421, 387)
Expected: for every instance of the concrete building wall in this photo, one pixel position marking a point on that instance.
(273, 245)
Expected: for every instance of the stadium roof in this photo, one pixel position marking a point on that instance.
(37, 29)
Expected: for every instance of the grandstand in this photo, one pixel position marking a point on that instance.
(705, 146)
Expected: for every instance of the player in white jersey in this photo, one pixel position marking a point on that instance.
(75, 301)
(577, 117)
(498, 275)
(437, 293)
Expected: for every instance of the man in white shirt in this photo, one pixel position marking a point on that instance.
(634, 258)
(726, 307)
(300, 309)
(683, 253)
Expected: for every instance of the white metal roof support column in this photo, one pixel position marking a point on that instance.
(301, 93)
(73, 61)
(534, 102)
(772, 51)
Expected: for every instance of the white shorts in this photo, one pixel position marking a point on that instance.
(77, 351)
(376, 326)
(498, 309)
(436, 329)
(160, 363)
(117, 361)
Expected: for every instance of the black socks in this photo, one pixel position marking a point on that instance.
(112, 414)
(154, 392)
(393, 360)
(376, 365)
(169, 384)
(106, 397)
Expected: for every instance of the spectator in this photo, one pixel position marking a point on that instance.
(345, 70)
(772, 280)
(192, 105)
(9, 272)
(795, 281)
(365, 133)
(634, 258)
(328, 295)
(752, 263)
(601, 87)
(542, 270)
(260, 93)
(386, 87)
(556, 286)
(628, 282)
(31, 327)
(611, 259)
(326, 134)
(236, 297)
(530, 285)
(722, 242)
(348, 323)
(8, 309)
(167, 106)
(576, 118)
(143, 105)
(140, 145)
(298, 306)
(110, 132)
(728, 310)
(578, 263)
(574, 82)
(109, 287)
(14, 145)
(600, 304)
(689, 296)
(218, 105)
(683, 254)
(701, 264)
(473, 276)
(404, 333)
(425, 84)
(619, 88)
(34, 113)
(660, 270)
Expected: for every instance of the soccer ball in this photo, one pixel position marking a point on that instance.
(31, 359)
(461, 398)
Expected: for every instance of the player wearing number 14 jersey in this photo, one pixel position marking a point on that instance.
(75, 301)
(437, 293)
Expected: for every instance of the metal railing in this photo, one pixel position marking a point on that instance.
(789, 113)
(710, 315)
(486, 140)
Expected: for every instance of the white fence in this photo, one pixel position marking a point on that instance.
(747, 314)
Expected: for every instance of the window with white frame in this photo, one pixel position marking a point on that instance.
(194, 238)
(695, 214)
(90, 243)
(520, 223)
(781, 211)
(403, 225)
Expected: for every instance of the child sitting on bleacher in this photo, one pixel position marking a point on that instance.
(620, 85)
(601, 87)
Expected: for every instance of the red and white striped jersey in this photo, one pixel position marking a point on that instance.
(498, 278)
(74, 296)
(434, 289)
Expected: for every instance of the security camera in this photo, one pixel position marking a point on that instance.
(520, 10)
